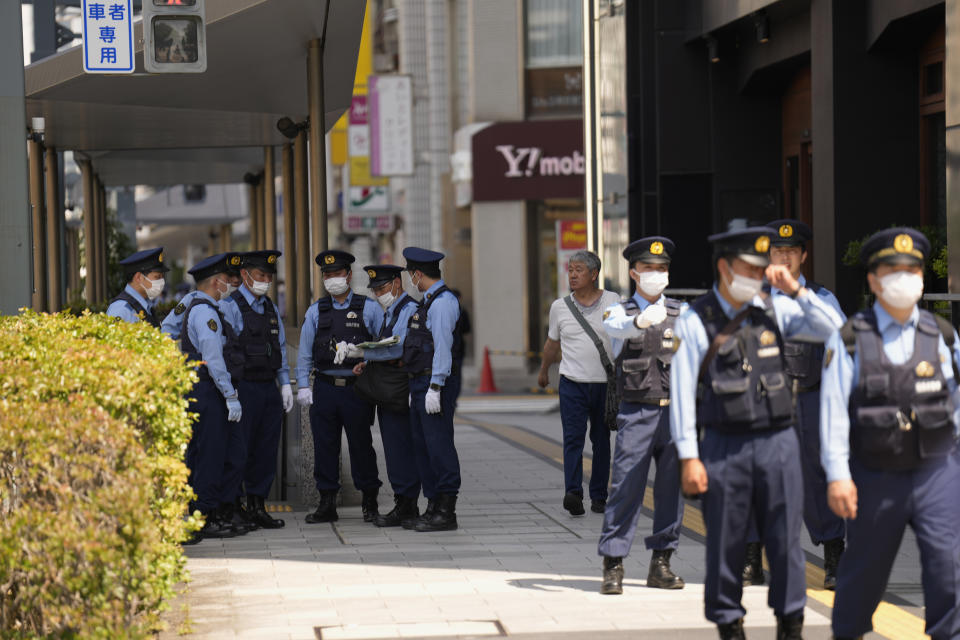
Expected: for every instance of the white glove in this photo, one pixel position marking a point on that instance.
(346, 350)
(286, 394)
(305, 397)
(432, 401)
(654, 314)
(234, 411)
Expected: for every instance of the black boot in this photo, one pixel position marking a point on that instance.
(444, 518)
(660, 576)
(832, 550)
(753, 565)
(732, 630)
(369, 504)
(241, 508)
(258, 513)
(326, 510)
(215, 528)
(411, 523)
(612, 576)
(227, 513)
(790, 628)
(404, 509)
(573, 503)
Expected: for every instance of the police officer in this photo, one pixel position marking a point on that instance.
(144, 271)
(889, 407)
(643, 341)
(431, 350)
(342, 316)
(171, 324)
(394, 413)
(748, 459)
(258, 359)
(213, 398)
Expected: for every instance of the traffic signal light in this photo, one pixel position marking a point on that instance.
(174, 36)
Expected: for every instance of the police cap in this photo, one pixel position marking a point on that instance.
(212, 265)
(789, 233)
(144, 261)
(750, 244)
(900, 245)
(419, 259)
(381, 274)
(263, 260)
(334, 260)
(654, 249)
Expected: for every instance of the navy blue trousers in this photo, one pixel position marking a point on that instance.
(252, 451)
(432, 434)
(334, 410)
(398, 450)
(643, 434)
(207, 450)
(579, 402)
(757, 476)
(887, 502)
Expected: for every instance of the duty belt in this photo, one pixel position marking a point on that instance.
(425, 372)
(337, 381)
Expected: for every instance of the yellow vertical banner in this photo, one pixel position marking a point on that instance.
(338, 134)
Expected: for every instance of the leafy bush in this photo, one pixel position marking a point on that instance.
(93, 427)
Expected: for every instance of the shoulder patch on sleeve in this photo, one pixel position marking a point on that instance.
(827, 358)
(212, 324)
(179, 309)
(606, 314)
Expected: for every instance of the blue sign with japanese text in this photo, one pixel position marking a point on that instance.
(108, 36)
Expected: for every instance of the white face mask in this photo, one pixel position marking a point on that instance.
(155, 289)
(742, 288)
(901, 289)
(652, 283)
(222, 293)
(386, 299)
(259, 288)
(230, 290)
(336, 286)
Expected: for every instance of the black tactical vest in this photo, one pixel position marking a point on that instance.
(418, 343)
(255, 355)
(745, 387)
(805, 359)
(644, 362)
(900, 415)
(187, 346)
(338, 325)
(134, 304)
(387, 329)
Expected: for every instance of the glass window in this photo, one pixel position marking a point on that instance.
(554, 33)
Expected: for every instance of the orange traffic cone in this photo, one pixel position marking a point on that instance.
(487, 385)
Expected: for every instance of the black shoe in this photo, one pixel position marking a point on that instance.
(411, 523)
(790, 628)
(612, 576)
(832, 550)
(732, 630)
(660, 576)
(443, 519)
(214, 528)
(257, 512)
(369, 504)
(227, 514)
(326, 510)
(573, 503)
(404, 509)
(753, 565)
(194, 538)
(245, 514)
(847, 637)
(598, 506)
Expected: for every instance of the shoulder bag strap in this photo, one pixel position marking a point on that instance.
(597, 342)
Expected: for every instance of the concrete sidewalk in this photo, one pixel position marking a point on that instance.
(519, 566)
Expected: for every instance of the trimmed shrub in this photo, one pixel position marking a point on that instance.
(93, 490)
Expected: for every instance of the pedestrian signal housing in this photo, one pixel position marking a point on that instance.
(174, 36)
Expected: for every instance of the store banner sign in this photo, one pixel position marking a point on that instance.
(390, 103)
(532, 160)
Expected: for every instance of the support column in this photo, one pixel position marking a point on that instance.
(89, 231)
(54, 208)
(226, 238)
(38, 298)
(318, 152)
(289, 246)
(823, 98)
(252, 213)
(102, 241)
(261, 227)
(952, 93)
(300, 190)
(269, 200)
(72, 254)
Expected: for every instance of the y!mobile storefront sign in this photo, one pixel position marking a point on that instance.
(532, 160)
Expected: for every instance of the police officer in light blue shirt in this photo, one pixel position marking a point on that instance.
(144, 271)
(213, 398)
(889, 416)
(642, 332)
(171, 324)
(432, 349)
(340, 317)
(393, 412)
(258, 357)
(728, 377)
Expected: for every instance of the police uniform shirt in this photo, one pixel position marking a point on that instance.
(620, 326)
(840, 376)
(122, 310)
(233, 315)
(824, 294)
(372, 320)
(441, 320)
(174, 321)
(206, 334)
(399, 329)
(806, 318)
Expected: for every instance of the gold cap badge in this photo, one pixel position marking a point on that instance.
(656, 248)
(762, 245)
(767, 338)
(329, 260)
(272, 259)
(903, 243)
(160, 257)
(786, 231)
(924, 369)
(235, 260)
(371, 273)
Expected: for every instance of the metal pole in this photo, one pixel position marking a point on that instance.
(101, 241)
(95, 240)
(261, 227)
(300, 190)
(252, 214)
(289, 247)
(226, 238)
(269, 200)
(54, 217)
(89, 231)
(39, 244)
(318, 151)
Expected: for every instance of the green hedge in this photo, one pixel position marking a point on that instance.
(93, 427)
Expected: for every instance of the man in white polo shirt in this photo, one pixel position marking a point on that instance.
(583, 378)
